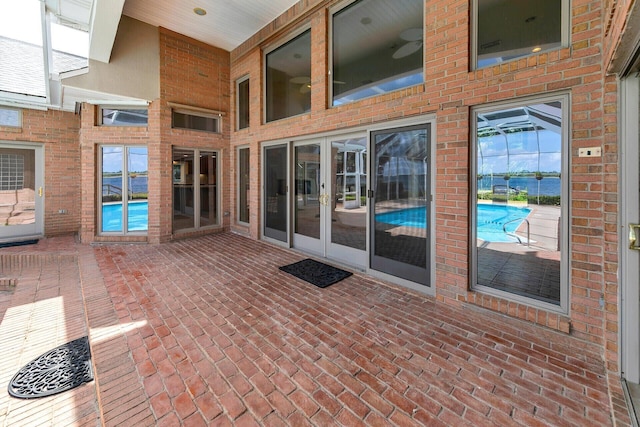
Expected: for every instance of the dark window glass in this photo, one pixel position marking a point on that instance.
(288, 87)
(377, 48)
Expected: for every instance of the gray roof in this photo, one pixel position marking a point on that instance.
(22, 66)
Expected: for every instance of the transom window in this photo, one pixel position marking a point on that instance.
(123, 117)
(520, 204)
(288, 80)
(377, 48)
(507, 29)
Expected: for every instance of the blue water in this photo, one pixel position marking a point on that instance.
(137, 219)
(491, 218)
(139, 184)
(549, 186)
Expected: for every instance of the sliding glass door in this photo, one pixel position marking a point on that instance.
(399, 231)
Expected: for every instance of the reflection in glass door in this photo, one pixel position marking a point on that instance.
(330, 204)
(124, 204)
(401, 192)
(21, 181)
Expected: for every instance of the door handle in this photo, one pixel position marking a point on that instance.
(39, 191)
(324, 199)
(633, 236)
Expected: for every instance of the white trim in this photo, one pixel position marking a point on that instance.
(629, 213)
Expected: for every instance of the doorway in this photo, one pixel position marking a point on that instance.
(329, 200)
(21, 191)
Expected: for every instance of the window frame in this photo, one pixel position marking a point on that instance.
(330, 63)
(239, 187)
(217, 118)
(121, 108)
(272, 48)
(20, 114)
(240, 81)
(565, 205)
(565, 34)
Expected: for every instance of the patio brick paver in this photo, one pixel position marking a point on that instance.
(208, 331)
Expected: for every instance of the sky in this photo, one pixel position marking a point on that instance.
(20, 20)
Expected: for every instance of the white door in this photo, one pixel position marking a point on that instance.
(329, 206)
(630, 207)
(21, 191)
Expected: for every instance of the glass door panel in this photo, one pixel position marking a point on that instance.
(307, 190)
(183, 190)
(208, 195)
(112, 161)
(401, 189)
(275, 192)
(21, 180)
(349, 203)
(137, 189)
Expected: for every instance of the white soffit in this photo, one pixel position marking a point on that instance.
(104, 26)
(226, 24)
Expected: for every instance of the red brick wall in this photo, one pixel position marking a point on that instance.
(57, 131)
(195, 74)
(450, 91)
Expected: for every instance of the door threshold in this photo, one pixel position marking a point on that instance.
(19, 241)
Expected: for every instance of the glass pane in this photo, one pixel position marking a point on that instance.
(112, 188)
(138, 189)
(194, 122)
(183, 191)
(401, 192)
(511, 29)
(288, 87)
(307, 213)
(243, 104)
(519, 200)
(377, 48)
(275, 192)
(21, 24)
(17, 187)
(208, 188)
(349, 202)
(243, 185)
(124, 117)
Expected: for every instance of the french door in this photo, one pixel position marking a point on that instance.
(21, 191)
(329, 200)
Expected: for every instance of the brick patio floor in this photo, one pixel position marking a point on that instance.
(209, 331)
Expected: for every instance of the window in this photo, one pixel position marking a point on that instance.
(195, 192)
(288, 80)
(507, 29)
(124, 181)
(123, 117)
(10, 117)
(520, 208)
(377, 48)
(243, 184)
(242, 99)
(195, 121)
(11, 171)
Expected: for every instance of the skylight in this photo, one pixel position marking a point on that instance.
(35, 51)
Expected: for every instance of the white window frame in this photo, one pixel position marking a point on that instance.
(565, 33)
(565, 236)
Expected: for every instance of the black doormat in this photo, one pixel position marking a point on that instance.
(18, 243)
(317, 273)
(61, 369)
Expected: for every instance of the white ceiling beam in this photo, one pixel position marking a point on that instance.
(105, 18)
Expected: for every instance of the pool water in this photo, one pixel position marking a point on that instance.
(491, 218)
(137, 219)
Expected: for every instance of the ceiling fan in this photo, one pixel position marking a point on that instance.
(413, 39)
(305, 83)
